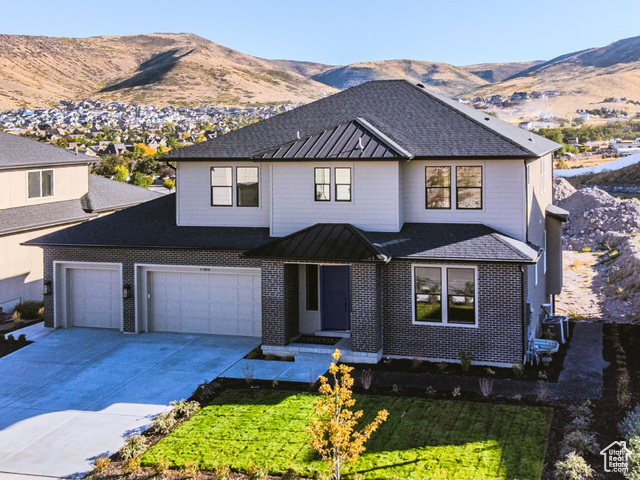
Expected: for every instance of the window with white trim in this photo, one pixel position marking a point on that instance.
(247, 189)
(343, 184)
(40, 184)
(445, 295)
(322, 184)
(221, 187)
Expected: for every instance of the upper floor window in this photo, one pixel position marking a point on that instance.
(445, 295)
(221, 186)
(469, 188)
(343, 184)
(40, 183)
(246, 183)
(247, 186)
(438, 187)
(322, 181)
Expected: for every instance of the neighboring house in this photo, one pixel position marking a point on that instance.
(44, 189)
(411, 224)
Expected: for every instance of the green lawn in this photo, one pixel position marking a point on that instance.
(421, 439)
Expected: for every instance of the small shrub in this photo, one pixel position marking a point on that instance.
(162, 466)
(274, 383)
(486, 386)
(395, 388)
(415, 362)
(190, 469)
(17, 319)
(455, 392)
(629, 427)
(518, 370)
(134, 447)
(634, 459)
(257, 473)
(101, 464)
(442, 366)
(579, 442)
(22, 339)
(490, 371)
(573, 467)
(542, 391)
(11, 338)
(585, 249)
(582, 410)
(29, 309)
(221, 472)
(185, 409)
(580, 424)
(131, 465)
(164, 422)
(290, 474)
(366, 379)
(466, 358)
(430, 391)
(517, 397)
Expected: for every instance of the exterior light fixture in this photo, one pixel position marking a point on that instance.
(47, 287)
(126, 291)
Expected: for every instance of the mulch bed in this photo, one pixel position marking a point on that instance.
(7, 325)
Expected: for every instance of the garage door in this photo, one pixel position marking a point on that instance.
(222, 302)
(94, 298)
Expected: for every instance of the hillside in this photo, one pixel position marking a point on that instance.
(627, 176)
(584, 78)
(158, 69)
(497, 72)
(439, 77)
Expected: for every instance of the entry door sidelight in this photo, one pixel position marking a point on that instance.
(336, 308)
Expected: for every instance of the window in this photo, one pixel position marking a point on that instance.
(40, 184)
(343, 184)
(543, 174)
(247, 186)
(312, 287)
(322, 180)
(469, 188)
(221, 186)
(438, 187)
(453, 305)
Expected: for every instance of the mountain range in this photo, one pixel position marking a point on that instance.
(185, 69)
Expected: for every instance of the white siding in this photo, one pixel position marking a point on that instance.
(503, 196)
(194, 197)
(374, 198)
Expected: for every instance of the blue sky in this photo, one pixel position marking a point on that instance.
(459, 32)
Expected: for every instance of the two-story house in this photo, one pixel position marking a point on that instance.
(400, 219)
(44, 189)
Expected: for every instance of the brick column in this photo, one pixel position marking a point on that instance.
(279, 302)
(366, 307)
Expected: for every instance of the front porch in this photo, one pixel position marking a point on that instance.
(304, 352)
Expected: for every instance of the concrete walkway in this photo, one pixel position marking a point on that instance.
(76, 394)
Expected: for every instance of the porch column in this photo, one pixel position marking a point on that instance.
(366, 307)
(279, 302)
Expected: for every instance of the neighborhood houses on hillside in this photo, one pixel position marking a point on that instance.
(46, 189)
(400, 220)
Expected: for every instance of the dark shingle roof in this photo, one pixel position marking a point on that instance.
(354, 139)
(33, 217)
(423, 123)
(105, 194)
(153, 225)
(16, 152)
(321, 242)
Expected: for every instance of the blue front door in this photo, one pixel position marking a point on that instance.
(334, 288)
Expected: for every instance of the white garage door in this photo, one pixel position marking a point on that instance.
(94, 298)
(223, 302)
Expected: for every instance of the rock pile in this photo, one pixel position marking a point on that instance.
(561, 189)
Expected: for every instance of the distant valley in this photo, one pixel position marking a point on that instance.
(184, 69)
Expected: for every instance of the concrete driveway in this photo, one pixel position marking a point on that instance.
(77, 394)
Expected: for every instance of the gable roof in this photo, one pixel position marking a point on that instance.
(424, 124)
(354, 139)
(21, 152)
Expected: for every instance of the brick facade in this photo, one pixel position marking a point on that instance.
(497, 339)
(381, 302)
(128, 257)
